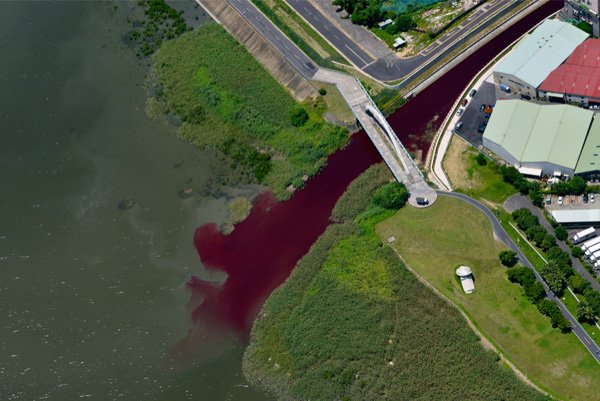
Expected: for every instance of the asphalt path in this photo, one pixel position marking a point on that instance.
(505, 238)
(391, 68)
(277, 38)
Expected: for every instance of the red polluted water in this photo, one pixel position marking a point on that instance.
(262, 250)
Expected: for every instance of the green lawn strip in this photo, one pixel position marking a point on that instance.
(336, 102)
(297, 39)
(570, 303)
(227, 100)
(450, 232)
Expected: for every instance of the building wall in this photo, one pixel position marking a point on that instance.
(592, 176)
(499, 151)
(573, 10)
(515, 84)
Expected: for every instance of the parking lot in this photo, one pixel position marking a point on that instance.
(472, 117)
(571, 202)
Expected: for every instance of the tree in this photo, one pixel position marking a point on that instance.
(584, 313)
(521, 275)
(548, 242)
(537, 198)
(585, 27)
(592, 298)
(508, 258)
(535, 291)
(298, 116)
(579, 284)
(510, 174)
(561, 188)
(577, 185)
(403, 23)
(563, 324)
(391, 196)
(322, 91)
(555, 253)
(576, 252)
(481, 159)
(561, 233)
(553, 276)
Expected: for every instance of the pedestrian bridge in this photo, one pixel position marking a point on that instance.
(383, 137)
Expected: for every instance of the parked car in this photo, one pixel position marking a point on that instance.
(464, 102)
(459, 126)
(560, 200)
(585, 198)
(460, 111)
(482, 108)
(482, 127)
(592, 199)
(548, 201)
(524, 96)
(504, 88)
(487, 115)
(473, 92)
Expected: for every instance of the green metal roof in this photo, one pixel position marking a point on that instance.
(539, 133)
(589, 159)
(540, 53)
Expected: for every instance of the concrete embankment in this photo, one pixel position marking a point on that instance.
(260, 48)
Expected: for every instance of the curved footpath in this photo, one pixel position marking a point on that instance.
(505, 238)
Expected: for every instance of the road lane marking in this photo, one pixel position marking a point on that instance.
(356, 54)
(586, 340)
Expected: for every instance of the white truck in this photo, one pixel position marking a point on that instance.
(583, 235)
(590, 243)
(591, 250)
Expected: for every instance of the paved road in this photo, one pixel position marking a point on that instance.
(518, 201)
(504, 237)
(391, 68)
(285, 46)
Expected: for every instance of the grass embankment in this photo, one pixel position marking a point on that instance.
(450, 232)
(227, 100)
(352, 323)
(467, 176)
(335, 101)
(299, 32)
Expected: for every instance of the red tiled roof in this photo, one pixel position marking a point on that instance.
(579, 74)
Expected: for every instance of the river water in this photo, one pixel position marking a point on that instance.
(93, 299)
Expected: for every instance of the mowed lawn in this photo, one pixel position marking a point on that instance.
(451, 232)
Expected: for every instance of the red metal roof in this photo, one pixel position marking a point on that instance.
(579, 74)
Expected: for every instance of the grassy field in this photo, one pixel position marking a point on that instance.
(335, 102)
(468, 177)
(352, 323)
(227, 100)
(434, 240)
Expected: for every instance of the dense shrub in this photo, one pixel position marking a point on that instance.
(561, 233)
(298, 116)
(393, 196)
(508, 258)
(322, 91)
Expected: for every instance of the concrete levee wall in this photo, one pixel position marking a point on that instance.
(260, 48)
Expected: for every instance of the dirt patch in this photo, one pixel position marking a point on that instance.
(456, 165)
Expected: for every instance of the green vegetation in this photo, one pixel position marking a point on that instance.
(299, 32)
(469, 176)
(164, 22)
(239, 209)
(335, 102)
(508, 258)
(227, 100)
(451, 232)
(352, 323)
(585, 27)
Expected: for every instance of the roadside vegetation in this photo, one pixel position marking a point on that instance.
(226, 100)
(352, 322)
(335, 102)
(299, 32)
(451, 232)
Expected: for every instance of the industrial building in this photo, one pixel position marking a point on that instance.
(583, 10)
(537, 55)
(540, 139)
(588, 165)
(578, 79)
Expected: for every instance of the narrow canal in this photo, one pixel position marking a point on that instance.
(263, 250)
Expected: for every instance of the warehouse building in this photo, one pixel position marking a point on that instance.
(539, 140)
(537, 55)
(578, 79)
(588, 165)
